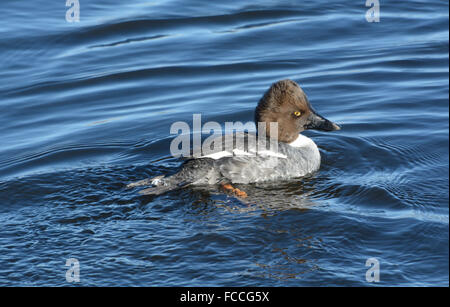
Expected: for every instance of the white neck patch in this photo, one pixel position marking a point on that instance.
(302, 141)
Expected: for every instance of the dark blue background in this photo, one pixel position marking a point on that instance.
(86, 108)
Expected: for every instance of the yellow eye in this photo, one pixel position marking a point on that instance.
(297, 113)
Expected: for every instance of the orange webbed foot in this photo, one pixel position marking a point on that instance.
(229, 188)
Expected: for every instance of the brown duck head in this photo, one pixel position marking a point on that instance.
(286, 103)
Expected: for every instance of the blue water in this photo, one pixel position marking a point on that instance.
(86, 108)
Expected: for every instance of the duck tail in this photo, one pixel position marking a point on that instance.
(159, 185)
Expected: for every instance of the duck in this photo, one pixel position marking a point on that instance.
(289, 154)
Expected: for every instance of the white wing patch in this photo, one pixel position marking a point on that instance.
(218, 155)
(241, 153)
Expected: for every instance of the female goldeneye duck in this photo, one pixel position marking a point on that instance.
(296, 155)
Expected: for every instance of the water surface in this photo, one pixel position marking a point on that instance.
(86, 108)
